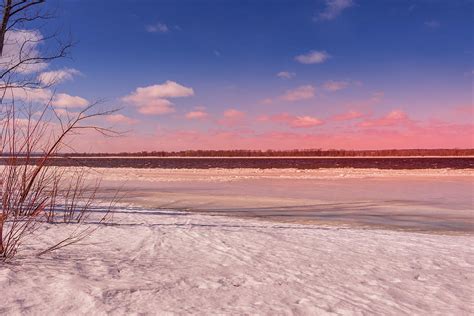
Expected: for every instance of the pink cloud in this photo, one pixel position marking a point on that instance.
(65, 113)
(394, 118)
(158, 107)
(120, 118)
(349, 115)
(196, 115)
(465, 109)
(305, 121)
(292, 120)
(300, 93)
(266, 101)
(430, 136)
(426, 135)
(65, 100)
(394, 129)
(375, 99)
(57, 76)
(234, 114)
(232, 117)
(335, 85)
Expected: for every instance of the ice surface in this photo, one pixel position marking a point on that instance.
(439, 200)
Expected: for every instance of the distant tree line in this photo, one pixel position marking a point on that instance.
(286, 153)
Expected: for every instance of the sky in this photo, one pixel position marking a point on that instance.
(280, 74)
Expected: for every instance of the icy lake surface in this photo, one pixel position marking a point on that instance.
(420, 200)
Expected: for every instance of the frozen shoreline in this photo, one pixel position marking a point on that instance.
(155, 258)
(426, 200)
(179, 263)
(256, 157)
(223, 174)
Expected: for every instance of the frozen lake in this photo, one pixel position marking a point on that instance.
(162, 255)
(438, 200)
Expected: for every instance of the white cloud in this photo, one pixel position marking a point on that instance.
(57, 76)
(300, 93)
(120, 118)
(286, 75)
(28, 94)
(335, 85)
(313, 57)
(169, 89)
(157, 28)
(66, 113)
(21, 45)
(432, 24)
(332, 9)
(154, 99)
(64, 100)
(158, 107)
(60, 100)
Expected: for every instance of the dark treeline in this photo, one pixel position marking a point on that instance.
(286, 153)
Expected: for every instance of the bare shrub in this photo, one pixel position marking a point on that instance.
(33, 132)
(35, 192)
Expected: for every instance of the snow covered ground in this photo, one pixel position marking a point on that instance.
(164, 261)
(179, 263)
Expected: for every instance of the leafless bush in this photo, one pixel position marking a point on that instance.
(33, 194)
(32, 132)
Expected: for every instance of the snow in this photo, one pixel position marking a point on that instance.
(181, 263)
(227, 175)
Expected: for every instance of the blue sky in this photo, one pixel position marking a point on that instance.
(414, 58)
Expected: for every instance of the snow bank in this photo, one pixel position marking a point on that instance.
(160, 262)
(226, 175)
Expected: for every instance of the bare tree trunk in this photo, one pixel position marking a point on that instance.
(10, 9)
(1, 233)
(6, 16)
